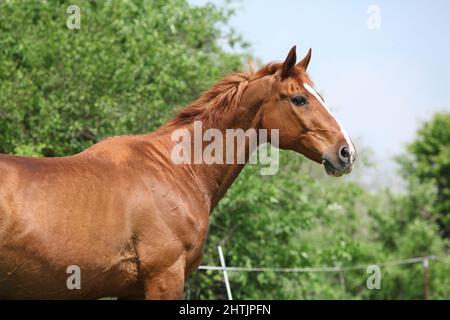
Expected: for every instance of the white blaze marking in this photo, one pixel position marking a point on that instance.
(344, 133)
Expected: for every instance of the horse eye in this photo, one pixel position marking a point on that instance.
(299, 100)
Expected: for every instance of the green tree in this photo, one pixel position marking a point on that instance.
(428, 161)
(123, 72)
(302, 218)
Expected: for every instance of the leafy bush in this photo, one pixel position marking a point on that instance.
(123, 72)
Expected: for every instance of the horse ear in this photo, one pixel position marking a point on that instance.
(289, 63)
(305, 61)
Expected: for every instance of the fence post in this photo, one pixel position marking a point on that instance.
(342, 281)
(426, 278)
(225, 273)
(339, 269)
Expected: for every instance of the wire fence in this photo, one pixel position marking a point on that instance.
(425, 261)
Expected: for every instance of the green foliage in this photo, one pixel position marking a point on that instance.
(428, 161)
(125, 71)
(301, 218)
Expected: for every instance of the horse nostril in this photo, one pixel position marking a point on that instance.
(344, 154)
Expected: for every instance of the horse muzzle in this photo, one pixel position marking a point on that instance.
(341, 163)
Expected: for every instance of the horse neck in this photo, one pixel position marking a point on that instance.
(216, 179)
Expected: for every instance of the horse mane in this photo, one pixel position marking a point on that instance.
(225, 95)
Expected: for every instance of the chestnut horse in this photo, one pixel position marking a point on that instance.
(131, 220)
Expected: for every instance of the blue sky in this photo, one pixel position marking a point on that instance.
(381, 84)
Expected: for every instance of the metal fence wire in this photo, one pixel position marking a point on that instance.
(425, 261)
